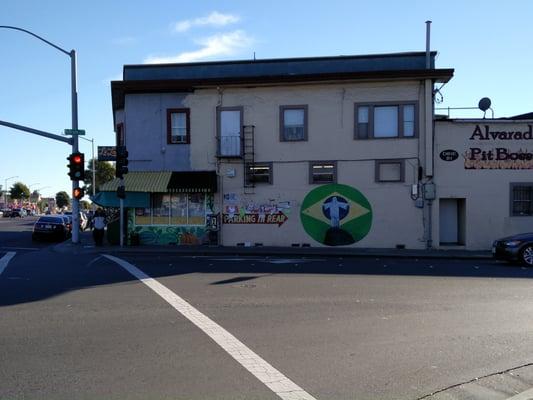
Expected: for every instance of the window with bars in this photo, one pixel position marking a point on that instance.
(259, 173)
(293, 123)
(178, 126)
(521, 199)
(323, 172)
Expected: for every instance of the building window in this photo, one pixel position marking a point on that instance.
(323, 172)
(389, 171)
(229, 131)
(178, 126)
(293, 123)
(378, 121)
(258, 173)
(174, 209)
(521, 199)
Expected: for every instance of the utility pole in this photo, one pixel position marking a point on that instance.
(74, 111)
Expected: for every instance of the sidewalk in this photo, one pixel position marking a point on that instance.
(87, 246)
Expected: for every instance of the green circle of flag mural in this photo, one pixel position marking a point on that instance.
(336, 215)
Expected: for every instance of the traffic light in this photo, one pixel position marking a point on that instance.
(78, 193)
(122, 162)
(76, 166)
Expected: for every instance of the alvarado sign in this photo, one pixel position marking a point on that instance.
(499, 157)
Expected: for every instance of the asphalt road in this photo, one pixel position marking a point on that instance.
(15, 234)
(81, 326)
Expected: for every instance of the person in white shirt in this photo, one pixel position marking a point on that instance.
(99, 223)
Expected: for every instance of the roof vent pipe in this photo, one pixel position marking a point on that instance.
(428, 36)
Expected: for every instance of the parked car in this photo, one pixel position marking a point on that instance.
(7, 212)
(514, 248)
(18, 212)
(48, 227)
(83, 219)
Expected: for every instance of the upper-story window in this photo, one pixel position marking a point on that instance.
(178, 126)
(322, 172)
(229, 131)
(385, 120)
(293, 123)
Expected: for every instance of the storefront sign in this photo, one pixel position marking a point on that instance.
(336, 215)
(449, 155)
(107, 153)
(276, 219)
(499, 157)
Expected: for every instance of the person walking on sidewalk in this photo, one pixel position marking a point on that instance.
(99, 223)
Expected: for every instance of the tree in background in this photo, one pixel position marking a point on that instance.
(62, 199)
(105, 171)
(19, 191)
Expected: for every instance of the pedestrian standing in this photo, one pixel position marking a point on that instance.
(99, 223)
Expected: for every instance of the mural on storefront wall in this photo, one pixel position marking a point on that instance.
(336, 215)
(237, 211)
(164, 235)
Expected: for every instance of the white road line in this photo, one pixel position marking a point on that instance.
(262, 370)
(5, 260)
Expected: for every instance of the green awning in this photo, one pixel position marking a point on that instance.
(141, 181)
(132, 200)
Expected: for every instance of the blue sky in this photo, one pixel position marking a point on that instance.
(487, 42)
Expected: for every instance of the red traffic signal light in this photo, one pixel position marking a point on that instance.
(76, 166)
(78, 193)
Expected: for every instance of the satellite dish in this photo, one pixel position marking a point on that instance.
(484, 104)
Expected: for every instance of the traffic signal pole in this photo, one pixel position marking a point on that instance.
(75, 183)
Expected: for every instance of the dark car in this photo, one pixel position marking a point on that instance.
(18, 212)
(48, 227)
(514, 248)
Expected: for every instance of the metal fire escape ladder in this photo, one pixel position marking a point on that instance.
(248, 158)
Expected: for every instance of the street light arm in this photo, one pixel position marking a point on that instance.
(38, 37)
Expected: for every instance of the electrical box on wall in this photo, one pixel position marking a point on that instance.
(429, 191)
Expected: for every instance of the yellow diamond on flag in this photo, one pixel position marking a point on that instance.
(315, 211)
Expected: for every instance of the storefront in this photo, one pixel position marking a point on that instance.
(165, 207)
(484, 178)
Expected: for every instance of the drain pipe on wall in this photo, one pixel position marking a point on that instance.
(429, 186)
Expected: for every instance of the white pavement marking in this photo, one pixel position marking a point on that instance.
(5, 260)
(262, 370)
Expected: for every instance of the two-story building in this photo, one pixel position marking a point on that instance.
(304, 151)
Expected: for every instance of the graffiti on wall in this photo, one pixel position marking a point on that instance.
(166, 235)
(336, 215)
(237, 211)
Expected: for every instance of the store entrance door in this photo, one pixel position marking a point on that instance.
(452, 221)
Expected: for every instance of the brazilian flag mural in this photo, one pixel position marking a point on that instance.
(336, 215)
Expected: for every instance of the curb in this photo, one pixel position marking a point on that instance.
(88, 248)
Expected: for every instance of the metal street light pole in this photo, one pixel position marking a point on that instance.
(74, 112)
(93, 169)
(5, 188)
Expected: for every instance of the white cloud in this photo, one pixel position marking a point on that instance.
(225, 44)
(214, 19)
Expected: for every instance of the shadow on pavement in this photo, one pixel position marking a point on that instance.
(34, 276)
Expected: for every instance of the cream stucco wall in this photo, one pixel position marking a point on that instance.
(330, 137)
(487, 191)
